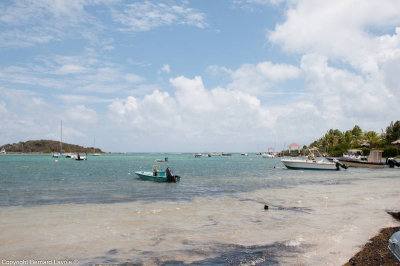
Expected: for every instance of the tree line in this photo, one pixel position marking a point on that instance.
(47, 146)
(336, 142)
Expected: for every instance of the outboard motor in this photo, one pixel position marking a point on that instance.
(339, 164)
(392, 162)
(170, 177)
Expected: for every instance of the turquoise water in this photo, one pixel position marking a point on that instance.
(98, 211)
(30, 180)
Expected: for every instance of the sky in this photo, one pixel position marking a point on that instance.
(196, 76)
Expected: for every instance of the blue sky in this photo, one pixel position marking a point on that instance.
(187, 76)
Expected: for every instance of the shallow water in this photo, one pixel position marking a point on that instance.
(97, 211)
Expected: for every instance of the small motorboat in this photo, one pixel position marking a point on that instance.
(311, 163)
(80, 157)
(394, 244)
(374, 161)
(157, 175)
(161, 160)
(305, 164)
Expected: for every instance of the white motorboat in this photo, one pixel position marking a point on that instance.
(305, 164)
(311, 163)
(268, 155)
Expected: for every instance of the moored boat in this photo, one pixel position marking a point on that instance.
(306, 164)
(374, 161)
(157, 175)
(162, 160)
(80, 157)
(311, 163)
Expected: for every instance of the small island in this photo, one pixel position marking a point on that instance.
(47, 146)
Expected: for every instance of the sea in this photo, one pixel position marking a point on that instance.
(226, 210)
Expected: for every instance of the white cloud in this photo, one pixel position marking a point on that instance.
(164, 69)
(71, 69)
(195, 115)
(256, 78)
(250, 3)
(133, 78)
(3, 109)
(341, 30)
(81, 114)
(144, 16)
(75, 98)
(41, 21)
(71, 73)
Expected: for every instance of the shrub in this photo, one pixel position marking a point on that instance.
(391, 151)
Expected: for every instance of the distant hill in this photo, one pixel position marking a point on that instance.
(47, 146)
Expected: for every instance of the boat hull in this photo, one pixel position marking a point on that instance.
(160, 177)
(359, 163)
(309, 165)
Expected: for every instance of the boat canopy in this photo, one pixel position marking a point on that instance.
(355, 151)
(396, 141)
(375, 156)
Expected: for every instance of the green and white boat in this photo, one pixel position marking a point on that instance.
(157, 175)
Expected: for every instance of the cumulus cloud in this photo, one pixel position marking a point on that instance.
(194, 114)
(341, 30)
(257, 78)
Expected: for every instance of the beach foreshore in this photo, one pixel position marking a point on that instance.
(307, 224)
(375, 251)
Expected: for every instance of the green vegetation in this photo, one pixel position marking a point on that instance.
(336, 142)
(47, 146)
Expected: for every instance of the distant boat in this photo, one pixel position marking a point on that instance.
(197, 155)
(268, 155)
(80, 157)
(157, 175)
(244, 154)
(162, 160)
(59, 154)
(3, 151)
(94, 149)
(374, 161)
(226, 154)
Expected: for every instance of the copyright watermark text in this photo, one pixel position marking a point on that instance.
(39, 262)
